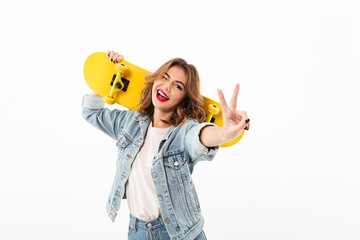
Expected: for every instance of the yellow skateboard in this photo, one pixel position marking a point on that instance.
(122, 83)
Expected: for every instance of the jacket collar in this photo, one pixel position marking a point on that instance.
(144, 123)
(171, 129)
(144, 119)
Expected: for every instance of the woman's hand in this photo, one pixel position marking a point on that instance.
(234, 121)
(115, 57)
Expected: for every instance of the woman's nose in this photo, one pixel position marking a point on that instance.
(167, 85)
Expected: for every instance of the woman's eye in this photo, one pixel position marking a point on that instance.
(178, 86)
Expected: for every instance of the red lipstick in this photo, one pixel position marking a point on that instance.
(161, 96)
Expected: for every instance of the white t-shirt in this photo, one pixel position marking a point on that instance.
(141, 194)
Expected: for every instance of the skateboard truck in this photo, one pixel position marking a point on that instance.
(213, 111)
(118, 83)
(119, 86)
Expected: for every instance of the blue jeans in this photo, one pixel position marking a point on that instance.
(151, 230)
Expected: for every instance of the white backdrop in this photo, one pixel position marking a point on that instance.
(294, 175)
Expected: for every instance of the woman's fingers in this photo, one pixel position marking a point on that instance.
(234, 97)
(240, 120)
(111, 55)
(223, 103)
(115, 57)
(236, 120)
(233, 101)
(245, 119)
(120, 58)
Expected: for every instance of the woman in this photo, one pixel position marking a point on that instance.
(158, 147)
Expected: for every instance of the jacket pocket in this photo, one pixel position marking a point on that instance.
(174, 160)
(123, 140)
(176, 168)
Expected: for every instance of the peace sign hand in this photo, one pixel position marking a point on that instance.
(234, 121)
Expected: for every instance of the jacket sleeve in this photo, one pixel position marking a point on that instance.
(197, 151)
(108, 121)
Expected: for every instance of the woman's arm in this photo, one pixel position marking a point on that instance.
(106, 120)
(234, 121)
(94, 110)
(212, 136)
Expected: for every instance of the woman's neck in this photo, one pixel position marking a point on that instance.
(161, 119)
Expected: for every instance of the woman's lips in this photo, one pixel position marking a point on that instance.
(161, 96)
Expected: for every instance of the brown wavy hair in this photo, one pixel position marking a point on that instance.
(190, 107)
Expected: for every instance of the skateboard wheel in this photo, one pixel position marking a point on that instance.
(213, 109)
(122, 68)
(109, 100)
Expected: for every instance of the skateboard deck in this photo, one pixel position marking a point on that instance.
(123, 82)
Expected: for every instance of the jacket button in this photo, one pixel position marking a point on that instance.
(160, 198)
(154, 175)
(167, 221)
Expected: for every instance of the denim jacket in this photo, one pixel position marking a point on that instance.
(171, 170)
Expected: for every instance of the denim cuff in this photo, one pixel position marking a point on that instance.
(202, 148)
(93, 102)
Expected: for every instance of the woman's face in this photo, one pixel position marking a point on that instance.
(169, 90)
